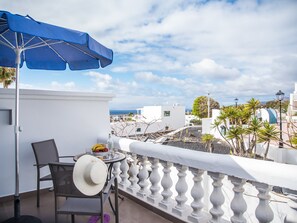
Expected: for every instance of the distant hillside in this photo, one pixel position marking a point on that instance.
(275, 104)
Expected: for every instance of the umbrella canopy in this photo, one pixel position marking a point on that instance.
(47, 47)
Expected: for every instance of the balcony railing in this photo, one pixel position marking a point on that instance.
(178, 181)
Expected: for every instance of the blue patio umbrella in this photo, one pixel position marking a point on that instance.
(47, 47)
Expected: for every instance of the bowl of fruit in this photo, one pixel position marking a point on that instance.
(100, 150)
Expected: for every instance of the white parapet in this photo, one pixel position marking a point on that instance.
(73, 119)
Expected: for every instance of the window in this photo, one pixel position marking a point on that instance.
(138, 130)
(166, 113)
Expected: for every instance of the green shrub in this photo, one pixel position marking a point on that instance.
(196, 121)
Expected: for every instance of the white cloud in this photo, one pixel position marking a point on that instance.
(232, 50)
(106, 83)
(147, 76)
(210, 69)
(121, 69)
(103, 81)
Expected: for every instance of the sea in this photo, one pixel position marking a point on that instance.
(122, 112)
(126, 112)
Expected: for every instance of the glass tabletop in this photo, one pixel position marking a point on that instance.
(116, 158)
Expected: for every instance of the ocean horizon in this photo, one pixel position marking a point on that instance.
(122, 111)
(128, 111)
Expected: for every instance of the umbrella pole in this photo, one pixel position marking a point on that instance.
(17, 211)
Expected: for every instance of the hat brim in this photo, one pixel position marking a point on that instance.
(78, 175)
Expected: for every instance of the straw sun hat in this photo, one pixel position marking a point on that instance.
(89, 175)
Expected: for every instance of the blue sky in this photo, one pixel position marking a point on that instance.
(168, 52)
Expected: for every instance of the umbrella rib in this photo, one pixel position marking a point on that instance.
(28, 41)
(38, 45)
(81, 50)
(6, 43)
(49, 45)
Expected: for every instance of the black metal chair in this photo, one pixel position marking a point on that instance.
(45, 152)
(69, 200)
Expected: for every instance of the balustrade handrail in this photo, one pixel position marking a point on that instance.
(271, 173)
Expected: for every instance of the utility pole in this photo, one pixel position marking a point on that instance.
(208, 106)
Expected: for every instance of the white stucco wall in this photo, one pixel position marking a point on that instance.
(177, 116)
(156, 113)
(150, 113)
(207, 124)
(280, 155)
(293, 104)
(73, 119)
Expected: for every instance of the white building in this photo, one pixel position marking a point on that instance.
(152, 119)
(208, 128)
(292, 109)
(267, 114)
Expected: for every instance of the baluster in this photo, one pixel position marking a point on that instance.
(166, 183)
(197, 193)
(238, 204)
(181, 188)
(216, 198)
(291, 216)
(116, 171)
(264, 213)
(143, 177)
(124, 173)
(133, 171)
(155, 180)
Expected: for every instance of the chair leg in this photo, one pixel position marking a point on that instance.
(72, 218)
(102, 211)
(38, 188)
(112, 208)
(116, 197)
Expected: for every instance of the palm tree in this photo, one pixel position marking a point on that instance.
(267, 133)
(252, 105)
(208, 140)
(235, 133)
(294, 140)
(231, 113)
(217, 124)
(254, 127)
(7, 76)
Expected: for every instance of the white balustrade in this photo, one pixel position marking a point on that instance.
(197, 193)
(133, 171)
(166, 183)
(155, 180)
(116, 171)
(157, 186)
(217, 197)
(292, 213)
(124, 173)
(264, 212)
(143, 178)
(181, 188)
(238, 204)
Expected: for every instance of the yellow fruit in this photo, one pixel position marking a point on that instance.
(98, 147)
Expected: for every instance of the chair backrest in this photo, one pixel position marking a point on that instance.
(63, 181)
(45, 152)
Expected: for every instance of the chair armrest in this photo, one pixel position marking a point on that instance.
(108, 186)
(40, 165)
(66, 156)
